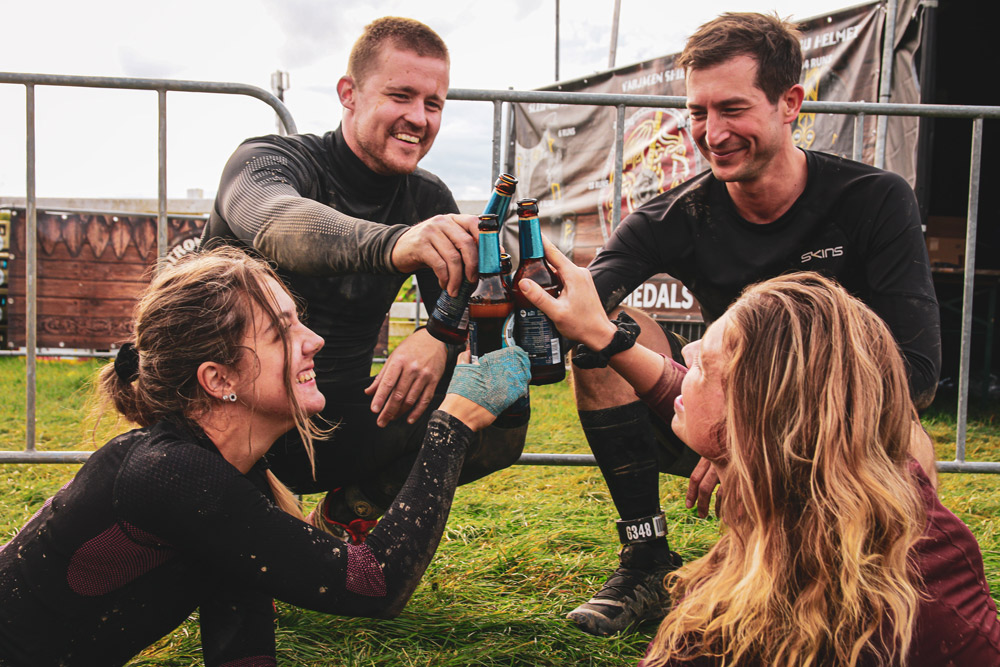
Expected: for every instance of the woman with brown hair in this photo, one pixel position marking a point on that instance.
(182, 514)
(836, 549)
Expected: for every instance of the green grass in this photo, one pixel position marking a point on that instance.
(522, 547)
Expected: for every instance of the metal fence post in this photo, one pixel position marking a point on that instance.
(31, 274)
(161, 218)
(968, 289)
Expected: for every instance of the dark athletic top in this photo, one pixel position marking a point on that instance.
(957, 620)
(330, 224)
(854, 223)
(157, 523)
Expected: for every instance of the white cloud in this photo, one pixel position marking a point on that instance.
(99, 143)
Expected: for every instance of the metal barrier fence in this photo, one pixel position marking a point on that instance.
(162, 87)
(860, 110)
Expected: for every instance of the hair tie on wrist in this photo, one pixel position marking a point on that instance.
(127, 363)
(624, 338)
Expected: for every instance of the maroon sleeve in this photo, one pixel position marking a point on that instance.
(957, 622)
(660, 398)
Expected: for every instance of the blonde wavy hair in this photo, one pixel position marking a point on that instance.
(820, 507)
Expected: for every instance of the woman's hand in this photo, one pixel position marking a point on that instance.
(479, 392)
(578, 312)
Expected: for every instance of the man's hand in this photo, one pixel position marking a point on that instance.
(408, 378)
(704, 479)
(447, 244)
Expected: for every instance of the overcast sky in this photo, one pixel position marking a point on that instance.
(102, 143)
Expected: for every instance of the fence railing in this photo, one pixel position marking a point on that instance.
(859, 110)
(162, 87)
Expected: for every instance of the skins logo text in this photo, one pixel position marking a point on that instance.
(822, 253)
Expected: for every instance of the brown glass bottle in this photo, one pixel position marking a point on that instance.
(533, 330)
(505, 268)
(490, 303)
(449, 320)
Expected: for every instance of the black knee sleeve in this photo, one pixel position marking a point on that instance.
(624, 445)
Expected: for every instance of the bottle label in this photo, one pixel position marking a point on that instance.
(489, 252)
(530, 238)
(451, 310)
(508, 331)
(497, 205)
(473, 342)
(538, 336)
(485, 336)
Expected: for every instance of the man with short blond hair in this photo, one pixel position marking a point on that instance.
(347, 217)
(400, 32)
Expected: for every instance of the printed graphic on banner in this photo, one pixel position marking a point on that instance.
(658, 154)
(564, 154)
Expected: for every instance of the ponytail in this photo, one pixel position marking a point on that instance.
(116, 385)
(283, 497)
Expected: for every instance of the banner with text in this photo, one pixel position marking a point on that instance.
(564, 154)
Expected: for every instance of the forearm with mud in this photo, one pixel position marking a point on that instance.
(306, 237)
(405, 539)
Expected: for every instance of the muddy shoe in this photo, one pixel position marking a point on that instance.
(354, 531)
(633, 594)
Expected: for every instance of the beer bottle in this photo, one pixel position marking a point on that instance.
(449, 321)
(505, 268)
(533, 330)
(490, 303)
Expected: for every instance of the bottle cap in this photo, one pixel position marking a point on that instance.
(489, 222)
(527, 208)
(505, 184)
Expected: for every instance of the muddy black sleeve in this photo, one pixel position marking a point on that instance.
(901, 287)
(265, 196)
(237, 624)
(208, 510)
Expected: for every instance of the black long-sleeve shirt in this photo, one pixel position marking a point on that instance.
(157, 523)
(854, 223)
(329, 223)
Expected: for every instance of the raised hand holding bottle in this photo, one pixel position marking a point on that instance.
(449, 320)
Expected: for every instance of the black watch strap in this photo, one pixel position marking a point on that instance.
(624, 338)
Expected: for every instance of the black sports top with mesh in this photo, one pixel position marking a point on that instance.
(330, 224)
(854, 223)
(157, 523)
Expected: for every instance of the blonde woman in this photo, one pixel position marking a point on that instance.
(182, 514)
(836, 550)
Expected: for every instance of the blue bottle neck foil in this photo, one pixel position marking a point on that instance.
(530, 235)
(489, 252)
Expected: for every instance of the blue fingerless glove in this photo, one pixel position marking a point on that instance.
(499, 379)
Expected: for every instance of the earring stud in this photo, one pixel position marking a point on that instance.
(231, 397)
